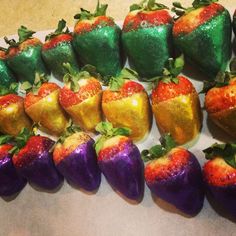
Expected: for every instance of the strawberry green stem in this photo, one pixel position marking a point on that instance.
(148, 5)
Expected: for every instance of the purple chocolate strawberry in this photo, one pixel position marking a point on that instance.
(174, 175)
(10, 182)
(75, 158)
(33, 160)
(120, 161)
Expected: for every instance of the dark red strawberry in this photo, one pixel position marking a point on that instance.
(120, 161)
(24, 57)
(10, 182)
(81, 97)
(174, 175)
(204, 29)
(125, 103)
(147, 37)
(12, 114)
(75, 158)
(176, 105)
(220, 175)
(57, 50)
(33, 160)
(42, 105)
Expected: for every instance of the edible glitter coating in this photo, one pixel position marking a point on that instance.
(123, 167)
(167, 166)
(10, 181)
(222, 98)
(218, 173)
(177, 181)
(193, 19)
(234, 22)
(88, 88)
(12, 115)
(165, 91)
(26, 60)
(100, 48)
(78, 163)
(6, 75)
(128, 89)
(34, 162)
(148, 48)
(58, 51)
(84, 26)
(145, 19)
(209, 45)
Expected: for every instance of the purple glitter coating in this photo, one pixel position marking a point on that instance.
(10, 182)
(125, 172)
(80, 167)
(185, 190)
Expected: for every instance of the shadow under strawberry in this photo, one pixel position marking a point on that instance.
(174, 175)
(75, 158)
(33, 160)
(120, 162)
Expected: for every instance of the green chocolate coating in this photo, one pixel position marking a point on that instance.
(148, 49)
(56, 56)
(209, 45)
(100, 48)
(26, 63)
(234, 24)
(6, 76)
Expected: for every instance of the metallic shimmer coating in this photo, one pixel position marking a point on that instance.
(148, 49)
(6, 76)
(26, 63)
(56, 56)
(132, 112)
(100, 48)
(234, 23)
(209, 45)
(180, 116)
(13, 118)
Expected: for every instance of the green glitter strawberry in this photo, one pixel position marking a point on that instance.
(57, 50)
(203, 34)
(147, 37)
(234, 22)
(24, 56)
(97, 40)
(6, 75)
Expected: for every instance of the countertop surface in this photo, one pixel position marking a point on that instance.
(70, 211)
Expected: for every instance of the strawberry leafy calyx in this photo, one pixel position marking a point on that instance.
(226, 151)
(38, 81)
(5, 139)
(148, 5)
(107, 131)
(12, 89)
(179, 10)
(115, 83)
(157, 151)
(72, 76)
(61, 29)
(87, 15)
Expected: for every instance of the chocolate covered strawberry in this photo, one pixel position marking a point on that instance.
(81, 97)
(125, 103)
(234, 22)
(33, 160)
(96, 40)
(176, 105)
(220, 175)
(220, 101)
(75, 158)
(174, 175)
(42, 105)
(120, 161)
(147, 37)
(6, 75)
(203, 34)
(10, 182)
(12, 114)
(24, 56)
(57, 50)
